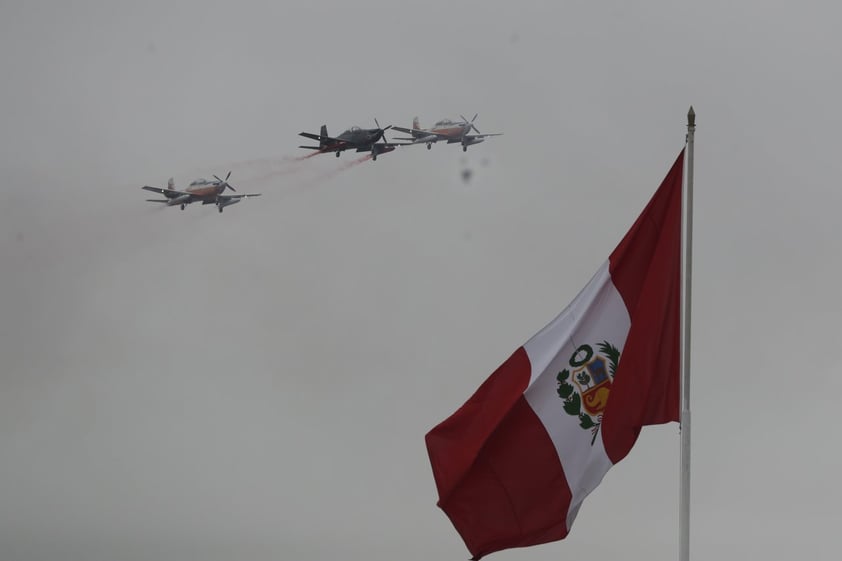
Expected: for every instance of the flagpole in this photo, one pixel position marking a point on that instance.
(686, 300)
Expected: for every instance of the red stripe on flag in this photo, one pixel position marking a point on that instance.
(454, 444)
(515, 493)
(499, 477)
(646, 270)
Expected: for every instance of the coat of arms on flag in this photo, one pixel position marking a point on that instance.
(592, 375)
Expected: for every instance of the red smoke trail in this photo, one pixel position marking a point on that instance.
(295, 165)
(274, 173)
(288, 165)
(280, 160)
(308, 156)
(330, 174)
(345, 166)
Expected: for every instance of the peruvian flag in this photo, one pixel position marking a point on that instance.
(515, 462)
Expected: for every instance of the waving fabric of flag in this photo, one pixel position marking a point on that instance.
(514, 463)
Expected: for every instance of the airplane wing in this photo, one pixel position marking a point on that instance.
(470, 138)
(321, 138)
(169, 193)
(419, 140)
(237, 196)
(381, 147)
(427, 136)
(406, 130)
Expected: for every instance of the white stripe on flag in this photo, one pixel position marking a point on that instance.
(597, 314)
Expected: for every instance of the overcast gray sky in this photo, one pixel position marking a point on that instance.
(256, 385)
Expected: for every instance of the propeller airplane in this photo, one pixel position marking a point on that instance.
(355, 138)
(201, 190)
(446, 131)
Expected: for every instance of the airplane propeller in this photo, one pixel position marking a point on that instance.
(225, 182)
(381, 129)
(471, 122)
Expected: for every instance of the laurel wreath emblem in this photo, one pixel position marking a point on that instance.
(572, 401)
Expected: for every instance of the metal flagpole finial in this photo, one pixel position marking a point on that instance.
(691, 118)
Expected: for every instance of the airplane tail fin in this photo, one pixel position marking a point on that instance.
(416, 123)
(171, 183)
(323, 132)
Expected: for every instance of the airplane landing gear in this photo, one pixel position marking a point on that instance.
(220, 209)
(464, 148)
(182, 207)
(429, 145)
(337, 153)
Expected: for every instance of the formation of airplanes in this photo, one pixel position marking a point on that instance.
(355, 138)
